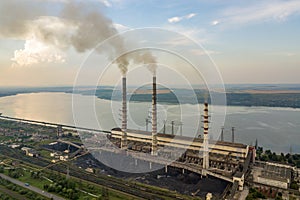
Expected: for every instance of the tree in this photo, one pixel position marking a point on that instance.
(298, 163)
(294, 185)
(105, 194)
(268, 152)
(254, 194)
(264, 158)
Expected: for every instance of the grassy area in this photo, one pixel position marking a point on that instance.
(41, 182)
(96, 184)
(117, 188)
(45, 154)
(8, 194)
(13, 191)
(6, 138)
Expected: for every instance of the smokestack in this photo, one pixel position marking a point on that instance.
(205, 116)
(154, 119)
(124, 115)
(205, 138)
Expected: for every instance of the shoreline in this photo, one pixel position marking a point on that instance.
(163, 102)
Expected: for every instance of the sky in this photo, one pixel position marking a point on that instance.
(56, 42)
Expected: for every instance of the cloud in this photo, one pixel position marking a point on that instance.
(106, 3)
(180, 18)
(36, 52)
(191, 15)
(121, 27)
(263, 11)
(77, 26)
(174, 19)
(214, 23)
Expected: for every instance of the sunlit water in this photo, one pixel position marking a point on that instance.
(275, 128)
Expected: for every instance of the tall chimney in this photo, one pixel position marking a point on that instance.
(124, 115)
(205, 138)
(154, 119)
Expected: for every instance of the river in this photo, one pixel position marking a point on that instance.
(277, 129)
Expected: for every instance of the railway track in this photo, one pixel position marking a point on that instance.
(134, 189)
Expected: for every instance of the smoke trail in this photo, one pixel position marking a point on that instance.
(148, 59)
(93, 28)
(78, 26)
(15, 17)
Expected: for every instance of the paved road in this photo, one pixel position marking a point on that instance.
(32, 188)
(244, 193)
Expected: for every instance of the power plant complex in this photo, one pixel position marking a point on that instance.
(228, 161)
(142, 151)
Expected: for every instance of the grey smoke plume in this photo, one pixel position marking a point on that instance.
(78, 25)
(148, 59)
(15, 17)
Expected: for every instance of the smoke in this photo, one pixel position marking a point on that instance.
(146, 58)
(15, 17)
(78, 25)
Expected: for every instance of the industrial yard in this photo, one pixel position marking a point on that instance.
(186, 167)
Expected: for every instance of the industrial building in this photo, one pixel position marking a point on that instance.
(273, 174)
(226, 160)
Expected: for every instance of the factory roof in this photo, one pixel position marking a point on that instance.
(237, 145)
(272, 171)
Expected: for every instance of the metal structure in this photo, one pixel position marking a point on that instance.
(154, 119)
(205, 163)
(124, 114)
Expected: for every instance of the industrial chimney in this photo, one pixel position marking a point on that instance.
(154, 119)
(124, 115)
(205, 138)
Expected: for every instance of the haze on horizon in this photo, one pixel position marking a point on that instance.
(253, 42)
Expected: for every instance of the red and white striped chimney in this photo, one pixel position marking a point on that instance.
(154, 118)
(205, 138)
(205, 121)
(124, 114)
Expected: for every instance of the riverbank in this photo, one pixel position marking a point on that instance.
(287, 97)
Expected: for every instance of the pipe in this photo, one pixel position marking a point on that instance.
(205, 116)
(124, 115)
(154, 118)
(205, 138)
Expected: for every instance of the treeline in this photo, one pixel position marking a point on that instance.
(268, 155)
(22, 191)
(186, 96)
(68, 188)
(6, 197)
(261, 193)
(199, 96)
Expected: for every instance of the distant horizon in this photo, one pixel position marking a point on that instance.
(171, 86)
